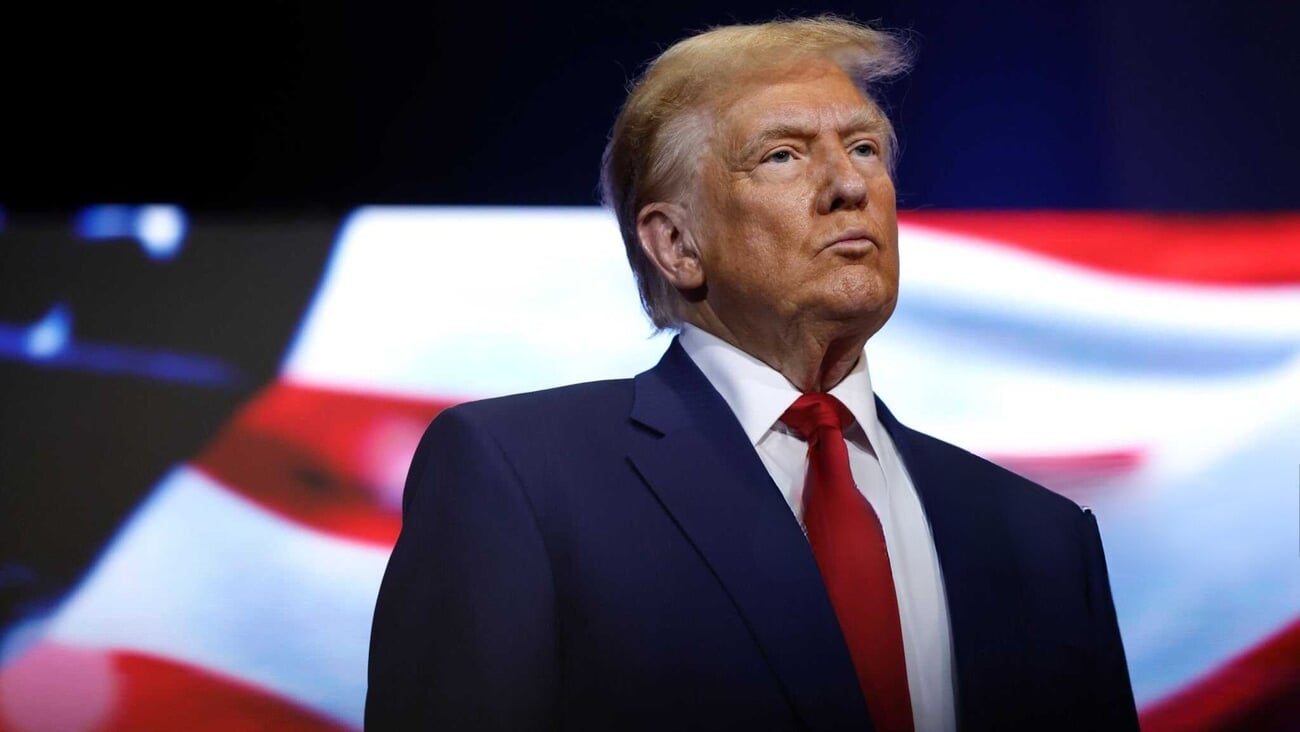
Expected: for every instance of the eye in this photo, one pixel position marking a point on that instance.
(866, 149)
(780, 156)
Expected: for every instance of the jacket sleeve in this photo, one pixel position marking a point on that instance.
(464, 633)
(1113, 691)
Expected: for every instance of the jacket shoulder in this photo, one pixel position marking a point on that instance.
(564, 418)
(995, 483)
(538, 409)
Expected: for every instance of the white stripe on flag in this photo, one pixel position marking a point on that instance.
(969, 273)
(473, 302)
(203, 576)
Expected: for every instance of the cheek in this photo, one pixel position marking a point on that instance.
(885, 204)
(886, 214)
(764, 228)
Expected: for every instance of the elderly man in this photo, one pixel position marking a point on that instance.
(742, 537)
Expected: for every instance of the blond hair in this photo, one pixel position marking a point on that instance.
(662, 125)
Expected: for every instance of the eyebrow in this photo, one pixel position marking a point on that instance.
(862, 120)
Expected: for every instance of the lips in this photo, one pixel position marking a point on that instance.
(852, 238)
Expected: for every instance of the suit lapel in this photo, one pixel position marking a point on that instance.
(978, 566)
(697, 460)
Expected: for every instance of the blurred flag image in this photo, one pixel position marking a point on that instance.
(1147, 366)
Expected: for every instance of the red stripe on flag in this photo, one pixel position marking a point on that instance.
(330, 459)
(1258, 691)
(1077, 475)
(56, 688)
(1241, 249)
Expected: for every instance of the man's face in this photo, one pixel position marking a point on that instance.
(797, 222)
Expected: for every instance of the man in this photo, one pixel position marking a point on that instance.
(741, 537)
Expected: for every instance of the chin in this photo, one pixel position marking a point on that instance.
(868, 299)
(858, 317)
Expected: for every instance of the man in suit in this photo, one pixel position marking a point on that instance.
(742, 537)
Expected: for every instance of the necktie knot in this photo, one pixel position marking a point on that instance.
(814, 412)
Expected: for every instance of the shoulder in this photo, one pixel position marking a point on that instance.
(1033, 560)
(1013, 494)
(1045, 535)
(506, 439)
(547, 423)
(537, 411)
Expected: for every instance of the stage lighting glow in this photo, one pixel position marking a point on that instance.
(161, 230)
(103, 222)
(51, 334)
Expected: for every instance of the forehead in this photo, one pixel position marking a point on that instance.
(815, 96)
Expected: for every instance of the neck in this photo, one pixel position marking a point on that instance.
(814, 357)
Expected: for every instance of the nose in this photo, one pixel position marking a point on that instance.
(844, 186)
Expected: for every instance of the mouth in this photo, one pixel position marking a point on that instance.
(852, 241)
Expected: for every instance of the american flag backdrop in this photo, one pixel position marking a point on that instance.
(1147, 366)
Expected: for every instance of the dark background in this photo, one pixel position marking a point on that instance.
(321, 106)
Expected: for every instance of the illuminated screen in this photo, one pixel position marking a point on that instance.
(207, 424)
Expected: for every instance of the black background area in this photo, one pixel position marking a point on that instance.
(80, 449)
(1013, 103)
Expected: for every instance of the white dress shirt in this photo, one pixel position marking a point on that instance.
(759, 395)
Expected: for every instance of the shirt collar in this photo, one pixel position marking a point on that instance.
(759, 394)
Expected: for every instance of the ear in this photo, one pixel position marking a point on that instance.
(665, 235)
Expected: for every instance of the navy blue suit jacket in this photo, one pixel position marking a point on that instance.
(614, 556)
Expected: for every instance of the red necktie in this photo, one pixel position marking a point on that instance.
(849, 546)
